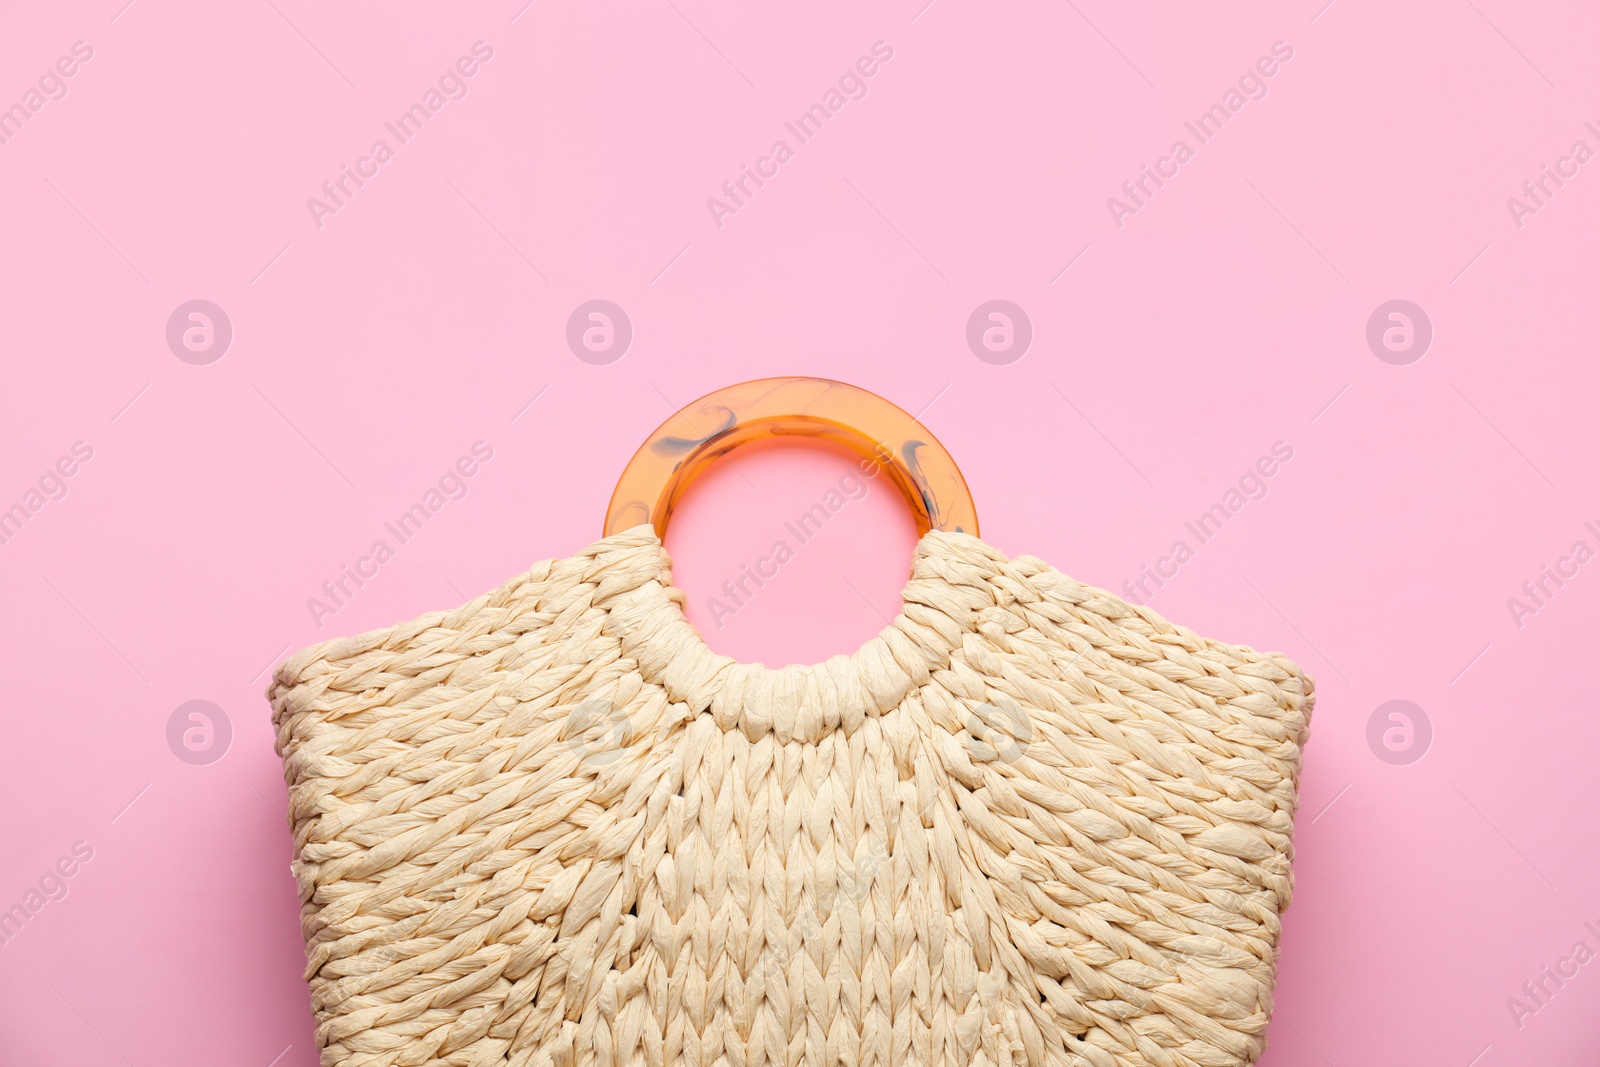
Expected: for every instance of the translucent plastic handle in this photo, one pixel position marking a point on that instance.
(686, 444)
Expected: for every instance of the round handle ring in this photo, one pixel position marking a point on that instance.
(681, 449)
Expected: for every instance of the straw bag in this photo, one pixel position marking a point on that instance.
(1028, 823)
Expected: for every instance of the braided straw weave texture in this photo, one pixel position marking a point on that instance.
(1028, 823)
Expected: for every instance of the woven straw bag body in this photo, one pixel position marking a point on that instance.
(1029, 823)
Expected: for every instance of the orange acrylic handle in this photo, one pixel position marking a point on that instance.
(685, 445)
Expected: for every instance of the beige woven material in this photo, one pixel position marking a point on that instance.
(1027, 824)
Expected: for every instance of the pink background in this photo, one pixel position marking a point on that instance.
(1227, 314)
